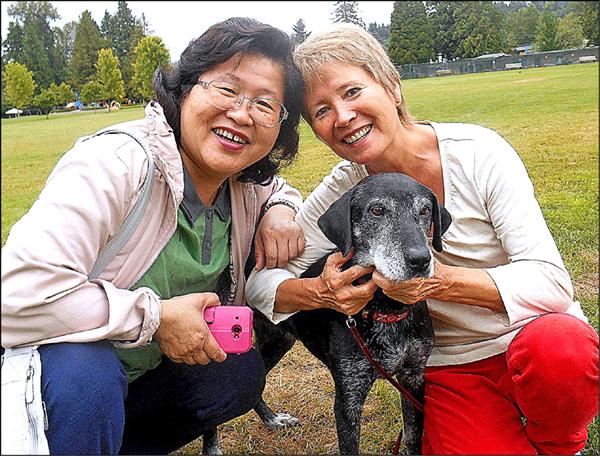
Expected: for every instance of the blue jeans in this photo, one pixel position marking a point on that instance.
(92, 410)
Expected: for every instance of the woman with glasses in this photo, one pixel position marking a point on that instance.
(129, 364)
(514, 369)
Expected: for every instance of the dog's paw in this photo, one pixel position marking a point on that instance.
(210, 442)
(211, 450)
(282, 420)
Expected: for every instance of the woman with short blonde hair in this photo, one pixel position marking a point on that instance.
(510, 342)
(351, 44)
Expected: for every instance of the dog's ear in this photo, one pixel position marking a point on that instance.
(335, 223)
(441, 221)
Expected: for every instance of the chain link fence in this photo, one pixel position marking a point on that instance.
(499, 63)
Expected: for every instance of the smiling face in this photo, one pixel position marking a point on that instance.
(352, 113)
(217, 144)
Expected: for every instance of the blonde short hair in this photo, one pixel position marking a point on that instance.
(351, 44)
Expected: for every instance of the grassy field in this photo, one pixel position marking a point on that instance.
(550, 115)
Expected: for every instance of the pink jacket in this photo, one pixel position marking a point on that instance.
(46, 294)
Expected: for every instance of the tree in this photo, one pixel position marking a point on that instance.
(122, 32)
(53, 96)
(18, 84)
(150, 53)
(300, 34)
(45, 101)
(588, 16)
(410, 34)
(347, 12)
(13, 44)
(32, 39)
(479, 29)
(510, 7)
(380, 32)
(546, 30)
(106, 28)
(559, 7)
(36, 57)
(443, 22)
(109, 76)
(87, 42)
(65, 38)
(62, 93)
(92, 91)
(521, 26)
(570, 32)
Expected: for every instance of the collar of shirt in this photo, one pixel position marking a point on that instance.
(193, 207)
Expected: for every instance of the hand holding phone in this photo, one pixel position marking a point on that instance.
(231, 326)
(183, 335)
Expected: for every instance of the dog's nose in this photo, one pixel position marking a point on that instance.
(418, 259)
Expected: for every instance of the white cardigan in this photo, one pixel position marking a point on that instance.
(497, 225)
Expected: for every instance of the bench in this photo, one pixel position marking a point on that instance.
(587, 58)
(513, 66)
(443, 73)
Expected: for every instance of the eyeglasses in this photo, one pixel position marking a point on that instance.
(226, 95)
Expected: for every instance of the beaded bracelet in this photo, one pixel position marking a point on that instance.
(289, 204)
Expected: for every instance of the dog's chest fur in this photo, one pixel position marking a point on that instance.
(395, 346)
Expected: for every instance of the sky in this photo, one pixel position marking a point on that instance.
(177, 23)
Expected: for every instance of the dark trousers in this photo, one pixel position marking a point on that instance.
(92, 410)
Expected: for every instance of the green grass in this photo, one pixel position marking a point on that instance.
(550, 115)
(32, 145)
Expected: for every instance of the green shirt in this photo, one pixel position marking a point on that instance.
(195, 259)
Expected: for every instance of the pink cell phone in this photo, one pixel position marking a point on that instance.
(231, 326)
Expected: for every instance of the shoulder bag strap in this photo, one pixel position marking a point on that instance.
(132, 220)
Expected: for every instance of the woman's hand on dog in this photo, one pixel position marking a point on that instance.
(413, 290)
(470, 286)
(335, 289)
(183, 335)
(279, 239)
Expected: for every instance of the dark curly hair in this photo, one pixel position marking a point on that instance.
(220, 42)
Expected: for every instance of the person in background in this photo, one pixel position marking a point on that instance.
(514, 369)
(129, 364)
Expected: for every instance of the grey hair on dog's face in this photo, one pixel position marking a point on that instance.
(388, 223)
(382, 243)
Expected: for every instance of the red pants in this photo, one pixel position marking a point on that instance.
(549, 375)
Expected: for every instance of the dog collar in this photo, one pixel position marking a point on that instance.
(381, 317)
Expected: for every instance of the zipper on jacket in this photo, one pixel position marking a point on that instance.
(45, 415)
(29, 392)
(29, 398)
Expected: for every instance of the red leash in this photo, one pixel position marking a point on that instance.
(351, 323)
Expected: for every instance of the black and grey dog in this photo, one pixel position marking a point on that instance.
(387, 219)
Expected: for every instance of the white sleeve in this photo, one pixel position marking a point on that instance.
(535, 281)
(261, 286)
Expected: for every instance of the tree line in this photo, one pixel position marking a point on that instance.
(423, 31)
(45, 66)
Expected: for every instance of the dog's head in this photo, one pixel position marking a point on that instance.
(387, 219)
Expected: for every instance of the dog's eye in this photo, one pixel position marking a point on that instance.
(425, 211)
(377, 211)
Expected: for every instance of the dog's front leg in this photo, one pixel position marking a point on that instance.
(411, 417)
(413, 427)
(351, 391)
